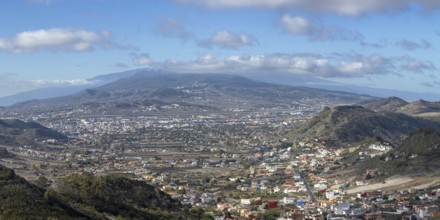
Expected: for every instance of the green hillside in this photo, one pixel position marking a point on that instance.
(83, 196)
(353, 124)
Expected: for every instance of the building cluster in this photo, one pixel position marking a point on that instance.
(228, 164)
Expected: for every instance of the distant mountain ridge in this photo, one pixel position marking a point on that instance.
(391, 104)
(58, 91)
(195, 91)
(344, 125)
(419, 108)
(274, 78)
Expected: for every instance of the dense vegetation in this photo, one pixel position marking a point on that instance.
(425, 141)
(83, 196)
(22, 200)
(116, 196)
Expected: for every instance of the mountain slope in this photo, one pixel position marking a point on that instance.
(391, 104)
(269, 77)
(83, 196)
(193, 92)
(116, 196)
(418, 154)
(21, 200)
(425, 141)
(58, 91)
(419, 107)
(14, 132)
(352, 124)
(42, 93)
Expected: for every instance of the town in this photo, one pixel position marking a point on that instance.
(233, 165)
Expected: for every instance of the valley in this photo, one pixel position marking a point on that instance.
(249, 156)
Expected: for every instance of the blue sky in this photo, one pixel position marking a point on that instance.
(386, 44)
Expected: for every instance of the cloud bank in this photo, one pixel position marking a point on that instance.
(344, 7)
(9, 86)
(55, 39)
(316, 32)
(336, 65)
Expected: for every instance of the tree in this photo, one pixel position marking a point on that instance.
(42, 182)
(181, 191)
(270, 215)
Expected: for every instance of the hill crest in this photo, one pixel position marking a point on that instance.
(14, 132)
(352, 124)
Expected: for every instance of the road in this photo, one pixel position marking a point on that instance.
(309, 189)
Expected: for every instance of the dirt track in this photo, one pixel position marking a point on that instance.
(398, 182)
(391, 181)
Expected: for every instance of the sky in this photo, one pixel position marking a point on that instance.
(391, 44)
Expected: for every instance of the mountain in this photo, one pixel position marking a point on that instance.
(417, 154)
(84, 196)
(58, 91)
(352, 124)
(314, 82)
(419, 107)
(269, 77)
(14, 132)
(395, 104)
(43, 93)
(191, 92)
(391, 104)
(379, 92)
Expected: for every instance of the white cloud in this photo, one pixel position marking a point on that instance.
(142, 59)
(317, 32)
(228, 40)
(9, 86)
(344, 7)
(58, 82)
(358, 65)
(169, 27)
(295, 25)
(55, 39)
(336, 65)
